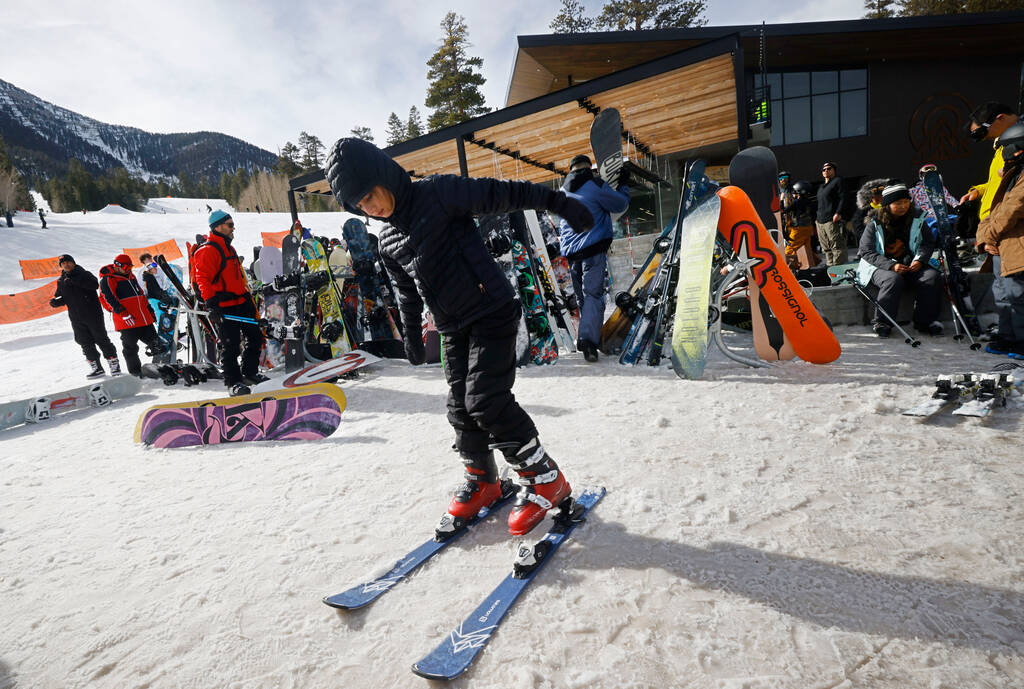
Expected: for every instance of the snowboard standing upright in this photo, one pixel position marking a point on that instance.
(330, 326)
(374, 313)
(755, 171)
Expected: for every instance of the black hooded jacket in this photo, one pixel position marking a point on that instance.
(77, 290)
(431, 246)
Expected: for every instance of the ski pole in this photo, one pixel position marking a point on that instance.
(852, 277)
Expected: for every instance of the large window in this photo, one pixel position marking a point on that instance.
(816, 106)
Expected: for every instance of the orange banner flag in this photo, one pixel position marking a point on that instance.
(35, 268)
(273, 238)
(28, 306)
(169, 249)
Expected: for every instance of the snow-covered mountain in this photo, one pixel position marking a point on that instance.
(42, 137)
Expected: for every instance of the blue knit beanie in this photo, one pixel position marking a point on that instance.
(217, 217)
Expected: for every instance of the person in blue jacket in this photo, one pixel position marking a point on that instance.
(587, 252)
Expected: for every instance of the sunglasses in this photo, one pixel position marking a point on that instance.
(980, 133)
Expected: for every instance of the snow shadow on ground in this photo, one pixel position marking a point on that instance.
(34, 341)
(828, 594)
(7, 677)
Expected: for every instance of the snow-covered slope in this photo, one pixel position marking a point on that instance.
(781, 528)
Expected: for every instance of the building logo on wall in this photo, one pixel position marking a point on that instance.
(937, 128)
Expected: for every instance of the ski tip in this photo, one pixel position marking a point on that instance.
(338, 604)
(427, 674)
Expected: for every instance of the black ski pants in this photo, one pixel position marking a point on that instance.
(480, 366)
(232, 335)
(890, 285)
(130, 339)
(91, 333)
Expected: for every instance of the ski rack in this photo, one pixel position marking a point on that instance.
(715, 326)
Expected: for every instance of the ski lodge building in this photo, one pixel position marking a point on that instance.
(879, 97)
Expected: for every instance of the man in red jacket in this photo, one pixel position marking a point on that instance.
(224, 289)
(122, 295)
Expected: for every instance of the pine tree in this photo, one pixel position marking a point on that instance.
(287, 161)
(636, 15)
(397, 132)
(570, 19)
(312, 150)
(454, 88)
(879, 9)
(915, 8)
(363, 133)
(414, 126)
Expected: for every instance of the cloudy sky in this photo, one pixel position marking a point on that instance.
(264, 70)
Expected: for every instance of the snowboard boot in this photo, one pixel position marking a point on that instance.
(239, 389)
(114, 365)
(96, 370)
(543, 486)
(481, 489)
(255, 379)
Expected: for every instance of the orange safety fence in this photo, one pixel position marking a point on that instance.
(274, 238)
(35, 268)
(28, 306)
(169, 249)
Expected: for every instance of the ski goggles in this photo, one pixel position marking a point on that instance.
(151, 265)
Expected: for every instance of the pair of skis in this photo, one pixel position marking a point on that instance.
(457, 651)
(972, 394)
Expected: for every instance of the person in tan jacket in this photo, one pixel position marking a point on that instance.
(1001, 234)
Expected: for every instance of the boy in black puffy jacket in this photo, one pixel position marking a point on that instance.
(436, 257)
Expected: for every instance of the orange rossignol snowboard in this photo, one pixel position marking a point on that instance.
(806, 330)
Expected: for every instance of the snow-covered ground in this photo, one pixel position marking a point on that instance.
(781, 528)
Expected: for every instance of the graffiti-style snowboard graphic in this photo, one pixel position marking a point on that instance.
(310, 412)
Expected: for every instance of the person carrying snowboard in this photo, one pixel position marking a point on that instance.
(225, 291)
(587, 252)
(436, 257)
(77, 290)
(122, 295)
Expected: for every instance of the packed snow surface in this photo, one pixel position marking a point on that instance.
(777, 528)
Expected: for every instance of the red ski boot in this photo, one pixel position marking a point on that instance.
(480, 490)
(543, 486)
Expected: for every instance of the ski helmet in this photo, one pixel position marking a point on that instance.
(802, 188)
(1011, 141)
(926, 168)
(784, 174)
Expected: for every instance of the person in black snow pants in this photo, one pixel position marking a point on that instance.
(77, 289)
(436, 257)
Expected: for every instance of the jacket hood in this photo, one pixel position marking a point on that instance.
(864, 193)
(110, 270)
(354, 167)
(576, 179)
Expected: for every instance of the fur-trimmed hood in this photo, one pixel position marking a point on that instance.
(864, 193)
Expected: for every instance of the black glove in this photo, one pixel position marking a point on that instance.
(415, 352)
(216, 314)
(572, 211)
(56, 303)
(624, 179)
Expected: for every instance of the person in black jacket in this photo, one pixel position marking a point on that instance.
(77, 290)
(153, 288)
(832, 215)
(436, 257)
